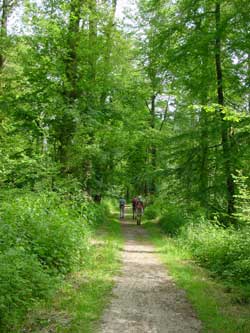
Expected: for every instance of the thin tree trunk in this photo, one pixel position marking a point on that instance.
(204, 161)
(73, 37)
(71, 92)
(225, 130)
(92, 59)
(107, 53)
(3, 27)
(248, 80)
(153, 147)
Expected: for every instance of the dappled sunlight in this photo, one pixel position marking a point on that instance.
(124, 139)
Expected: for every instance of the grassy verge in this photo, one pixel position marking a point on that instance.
(81, 299)
(215, 306)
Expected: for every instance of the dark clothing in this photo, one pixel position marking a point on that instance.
(134, 202)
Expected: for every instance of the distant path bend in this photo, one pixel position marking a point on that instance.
(145, 299)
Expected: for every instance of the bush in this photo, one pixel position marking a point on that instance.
(225, 252)
(22, 281)
(151, 212)
(172, 221)
(42, 237)
(242, 199)
(46, 227)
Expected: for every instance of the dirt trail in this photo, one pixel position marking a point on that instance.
(145, 299)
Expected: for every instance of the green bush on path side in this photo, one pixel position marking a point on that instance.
(43, 237)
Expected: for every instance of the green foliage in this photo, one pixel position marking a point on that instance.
(194, 162)
(46, 227)
(172, 220)
(87, 108)
(242, 213)
(151, 212)
(85, 293)
(43, 237)
(225, 252)
(23, 281)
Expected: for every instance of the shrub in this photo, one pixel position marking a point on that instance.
(151, 212)
(242, 199)
(42, 237)
(46, 227)
(22, 282)
(172, 221)
(225, 252)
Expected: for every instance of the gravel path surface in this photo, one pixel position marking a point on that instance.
(145, 299)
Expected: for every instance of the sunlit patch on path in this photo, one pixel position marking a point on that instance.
(145, 299)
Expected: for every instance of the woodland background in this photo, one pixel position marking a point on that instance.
(93, 108)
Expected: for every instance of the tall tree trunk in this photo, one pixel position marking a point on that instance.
(226, 131)
(3, 32)
(203, 184)
(204, 139)
(153, 147)
(92, 58)
(107, 54)
(71, 92)
(248, 80)
(73, 37)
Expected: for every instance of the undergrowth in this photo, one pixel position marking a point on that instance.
(43, 237)
(225, 251)
(79, 302)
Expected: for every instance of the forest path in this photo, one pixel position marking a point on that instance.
(145, 299)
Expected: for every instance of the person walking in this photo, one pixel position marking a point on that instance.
(134, 202)
(122, 203)
(139, 210)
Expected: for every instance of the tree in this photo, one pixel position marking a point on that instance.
(190, 39)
